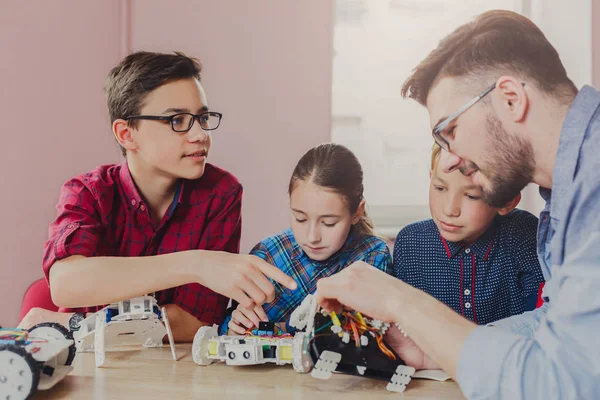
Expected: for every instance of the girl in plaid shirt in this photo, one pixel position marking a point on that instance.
(330, 230)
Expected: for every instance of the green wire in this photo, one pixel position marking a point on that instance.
(324, 326)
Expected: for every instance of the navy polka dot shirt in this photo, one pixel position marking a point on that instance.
(495, 277)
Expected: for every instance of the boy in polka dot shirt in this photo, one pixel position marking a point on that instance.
(480, 261)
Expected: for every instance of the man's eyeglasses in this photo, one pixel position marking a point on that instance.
(183, 122)
(440, 132)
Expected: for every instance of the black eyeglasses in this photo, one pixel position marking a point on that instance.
(183, 122)
(439, 132)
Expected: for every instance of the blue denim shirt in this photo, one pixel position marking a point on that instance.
(554, 351)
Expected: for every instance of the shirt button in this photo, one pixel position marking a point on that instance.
(133, 202)
(467, 292)
(467, 251)
(468, 305)
(142, 207)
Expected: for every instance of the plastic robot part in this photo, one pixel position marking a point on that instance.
(169, 333)
(377, 324)
(364, 340)
(372, 357)
(242, 350)
(299, 317)
(400, 379)
(19, 374)
(384, 327)
(336, 329)
(33, 360)
(52, 332)
(327, 363)
(133, 322)
(201, 343)
(99, 338)
(301, 360)
(346, 337)
(401, 330)
(304, 315)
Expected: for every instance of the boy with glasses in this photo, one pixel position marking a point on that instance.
(165, 220)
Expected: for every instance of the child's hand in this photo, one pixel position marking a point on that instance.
(243, 319)
(247, 275)
(38, 315)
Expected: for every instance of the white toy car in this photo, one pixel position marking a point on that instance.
(348, 343)
(137, 321)
(34, 359)
(208, 346)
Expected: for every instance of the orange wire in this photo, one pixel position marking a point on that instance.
(356, 338)
(384, 349)
(351, 322)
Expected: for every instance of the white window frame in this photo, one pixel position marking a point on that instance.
(555, 18)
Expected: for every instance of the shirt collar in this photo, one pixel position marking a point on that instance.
(298, 253)
(133, 197)
(482, 247)
(129, 189)
(572, 134)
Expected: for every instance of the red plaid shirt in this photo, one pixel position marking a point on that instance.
(101, 213)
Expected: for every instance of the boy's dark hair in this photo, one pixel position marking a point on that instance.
(493, 44)
(138, 74)
(335, 167)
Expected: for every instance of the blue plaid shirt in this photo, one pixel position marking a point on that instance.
(282, 251)
(497, 276)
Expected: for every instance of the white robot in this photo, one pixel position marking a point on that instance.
(137, 321)
(323, 348)
(331, 349)
(260, 348)
(34, 359)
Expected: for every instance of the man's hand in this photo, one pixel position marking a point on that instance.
(436, 328)
(242, 277)
(243, 319)
(408, 350)
(38, 315)
(363, 288)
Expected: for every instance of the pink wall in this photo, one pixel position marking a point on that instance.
(267, 68)
(55, 56)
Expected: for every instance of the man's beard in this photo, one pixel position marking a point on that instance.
(510, 165)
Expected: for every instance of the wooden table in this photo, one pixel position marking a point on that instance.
(152, 374)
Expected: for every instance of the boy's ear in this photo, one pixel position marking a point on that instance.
(430, 174)
(122, 132)
(360, 211)
(510, 206)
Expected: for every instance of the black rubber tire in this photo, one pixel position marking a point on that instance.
(33, 365)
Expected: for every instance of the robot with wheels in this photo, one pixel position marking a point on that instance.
(34, 359)
(258, 347)
(137, 321)
(349, 343)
